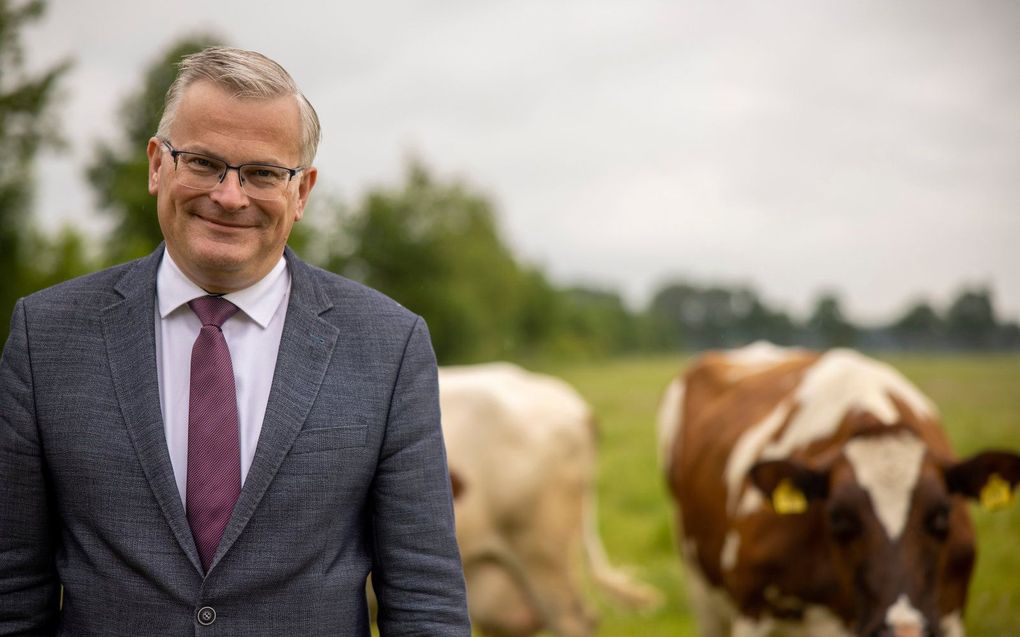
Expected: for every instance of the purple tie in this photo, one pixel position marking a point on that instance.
(214, 453)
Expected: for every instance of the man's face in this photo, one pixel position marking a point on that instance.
(223, 239)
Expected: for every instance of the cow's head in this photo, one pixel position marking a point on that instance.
(899, 532)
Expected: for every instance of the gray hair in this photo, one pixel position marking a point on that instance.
(246, 74)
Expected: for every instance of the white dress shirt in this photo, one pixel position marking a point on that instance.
(253, 337)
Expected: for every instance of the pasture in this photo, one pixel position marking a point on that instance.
(979, 397)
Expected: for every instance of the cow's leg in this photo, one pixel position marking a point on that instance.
(512, 595)
(713, 613)
(498, 603)
(551, 580)
(548, 543)
(506, 584)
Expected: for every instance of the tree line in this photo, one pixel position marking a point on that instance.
(433, 244)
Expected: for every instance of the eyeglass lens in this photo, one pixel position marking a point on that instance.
(260, 181)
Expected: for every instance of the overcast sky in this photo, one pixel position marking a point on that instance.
(870, 147)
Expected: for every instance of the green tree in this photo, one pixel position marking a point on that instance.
(119, 170)
(828, 325)
(601, 323)
(674, 308)
(435, 248)
(760, 322)
(920, 327)
(698, 317)
(57, 257)
(971, 321)
(26, 125)
(541, 318)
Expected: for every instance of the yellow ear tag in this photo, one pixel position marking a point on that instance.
(788, 499)
(996, 494)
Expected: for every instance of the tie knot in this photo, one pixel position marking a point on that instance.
(212, 310)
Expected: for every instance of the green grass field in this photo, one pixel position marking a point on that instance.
(979, 398)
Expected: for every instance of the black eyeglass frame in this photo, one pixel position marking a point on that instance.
(174, 153)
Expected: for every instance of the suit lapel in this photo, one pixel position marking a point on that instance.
(306, 347)
(129, 332)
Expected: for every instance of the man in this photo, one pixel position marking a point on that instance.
(218, 438)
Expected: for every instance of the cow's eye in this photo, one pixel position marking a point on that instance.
(844, 524)
(937, 522)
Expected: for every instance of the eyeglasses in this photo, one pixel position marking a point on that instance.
(202, 172)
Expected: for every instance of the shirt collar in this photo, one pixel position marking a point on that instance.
(259, 301)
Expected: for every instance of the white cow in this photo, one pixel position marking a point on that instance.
(521, 449)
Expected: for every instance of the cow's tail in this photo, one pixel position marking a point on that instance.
(621, 587)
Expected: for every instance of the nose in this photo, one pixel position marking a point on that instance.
(228, 194)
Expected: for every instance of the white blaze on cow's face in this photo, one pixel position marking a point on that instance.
(888, 511)
(888, 508)
(887, 468)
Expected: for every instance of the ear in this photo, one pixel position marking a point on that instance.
(990, 477)
(155, 153)
(305, 185)
(789, 485)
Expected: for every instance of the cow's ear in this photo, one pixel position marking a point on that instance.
(456, 484)
(789, 485)
(990, 477)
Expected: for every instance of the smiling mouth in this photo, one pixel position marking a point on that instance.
(223, 224)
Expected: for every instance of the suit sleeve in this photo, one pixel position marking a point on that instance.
(29, 589)
(417, 574)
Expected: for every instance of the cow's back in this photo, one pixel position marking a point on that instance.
(508, 430)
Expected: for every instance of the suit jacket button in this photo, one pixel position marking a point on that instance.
(206, 615)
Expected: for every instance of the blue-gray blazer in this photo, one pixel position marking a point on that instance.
(349, 476)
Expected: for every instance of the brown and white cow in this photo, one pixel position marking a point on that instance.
(521, 451)
(817, 494)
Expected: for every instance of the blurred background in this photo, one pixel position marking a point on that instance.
(574, 178)
(595, 189)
